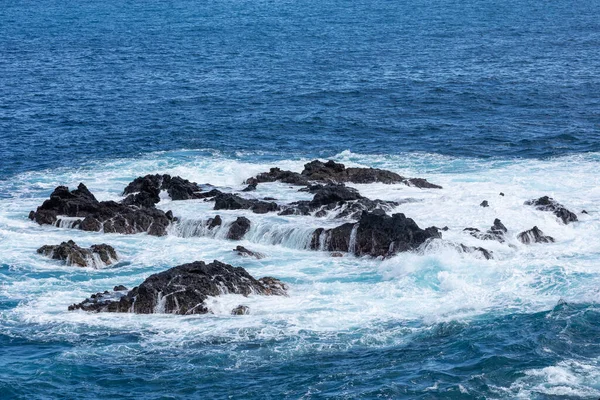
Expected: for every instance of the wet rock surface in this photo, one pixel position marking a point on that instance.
(244, 252)
(332, 172)
(375, 234)
(72, 254)
(238, 228)
(109, 216)
(226, 201)
(549, 204)
(496, 232)
(534, 235)
(177, 187)
(183, 290)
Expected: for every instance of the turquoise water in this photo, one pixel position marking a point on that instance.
(476, 96)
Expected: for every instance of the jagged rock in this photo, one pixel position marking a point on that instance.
(182, 290)
(332, 172)
(477, 250)
(534, 235)
(235, 202)
(484, 204)
(549, 204)
(97, 215)
(250, 188)
(241, 310)
(346, 201)
(375, 234)
(244, 252)
(214, 222)
(72, 254)
(119, 288)
(501, 194)
(177, 187)
(496, 232)
(337, 254)
(238, 228)
(584, 212)
(207, 195)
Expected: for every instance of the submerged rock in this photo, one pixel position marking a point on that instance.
(183, 290)
(108, 216)
(534, 235)
(238, 228)
(549, 204)
(234, 202)
(244, 252)
(496, 232)
(332, 172)
(477, 250)
(375, 234)
(72, 254)
(484, 204)
(241, 310)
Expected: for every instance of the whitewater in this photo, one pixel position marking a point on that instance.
(432, 321)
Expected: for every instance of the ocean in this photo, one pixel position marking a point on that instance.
(480, 97)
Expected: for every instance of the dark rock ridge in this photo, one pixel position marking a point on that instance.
(549, 204)
(375, 234)
(227, 201)
(244, 252)
(238, 228)
(534, 235)
(477, 250)
(332, 172)
(72, 254)
(344, 201)
(496, 232)
(95, 215)
(183, 290)
(177, 187)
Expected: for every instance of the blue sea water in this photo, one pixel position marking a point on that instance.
(480, 96)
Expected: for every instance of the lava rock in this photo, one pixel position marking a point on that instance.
(375, 234)
(97, 215)
(72, 254)
(119, 288)
(177, 187)
(534, 235)
(238, 228)
(244, 252)
(477, 250)
(484, 204)
(496, 232)
(241, 310)
(183, 290)
(549, 204)
(214, 222)
(250, 188)
(235, 202)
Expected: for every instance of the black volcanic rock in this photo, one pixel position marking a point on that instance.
(496, 232)
(549, 204)
(375, 234)
(244, 252)
(241, 310)
(177, 187)
(477, 250)
(227, 201)
(534, 235)
(97, 215)
(238, 228)
(72, 254)
(182, 290)
(214, 222)
(332, 172)
(346, 201)
(484, 204)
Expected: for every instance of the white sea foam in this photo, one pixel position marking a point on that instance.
(327, 295)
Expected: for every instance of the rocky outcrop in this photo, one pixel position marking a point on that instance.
(238, 228)
(549, 204)
(534, 235)
(212, 223)
(177, 187)
(227, 201)
(345, 202)
(109, 216)
(496, 232)
(332, 172)
(183, 290)
(244, 252)
(479, 251)
(241, 310)
(96, 256)
(375, 234)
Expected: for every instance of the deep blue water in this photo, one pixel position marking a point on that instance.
(512, 83)
(107, 79)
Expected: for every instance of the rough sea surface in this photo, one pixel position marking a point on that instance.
(481, 97)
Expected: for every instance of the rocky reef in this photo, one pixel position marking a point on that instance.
(69, 252)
